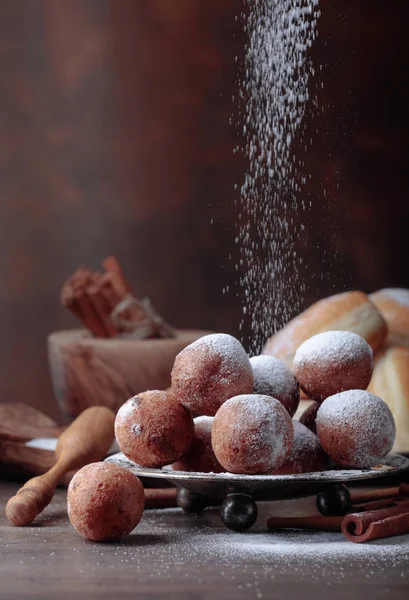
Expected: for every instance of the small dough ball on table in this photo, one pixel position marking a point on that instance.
(105, 502)
(201, 457)
(356, 428)
(393, 304)
(331, 362)
(252, 434)
(153, 429)
(349, 311)
(390, 381)
(273, 378)
(306, 455)
(309, 416)
(209, 371)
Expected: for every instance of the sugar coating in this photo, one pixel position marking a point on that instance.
(273, 378)
(127, 408)
(335, 347)
(252, 434)
(226, 346)
(356, 428)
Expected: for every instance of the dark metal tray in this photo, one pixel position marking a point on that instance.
(237, 494)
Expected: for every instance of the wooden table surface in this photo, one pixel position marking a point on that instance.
(175, 555)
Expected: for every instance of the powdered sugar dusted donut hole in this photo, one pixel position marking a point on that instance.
(201, 457)
(105, 502)
(332, 362)
(153, 429)
(356, 428)
(252, 434)
(273, 378)
(209, 371)
(306, 454)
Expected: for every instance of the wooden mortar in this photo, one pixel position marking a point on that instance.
(88, 371)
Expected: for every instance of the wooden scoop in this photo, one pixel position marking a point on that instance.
(86, 440)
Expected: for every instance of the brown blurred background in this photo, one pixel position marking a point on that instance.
(115, 138)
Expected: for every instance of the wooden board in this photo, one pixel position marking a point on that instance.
(20, 423)
(176, 556)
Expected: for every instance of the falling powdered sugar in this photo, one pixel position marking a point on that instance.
(275, 95)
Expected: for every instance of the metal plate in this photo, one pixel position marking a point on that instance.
(217, 485)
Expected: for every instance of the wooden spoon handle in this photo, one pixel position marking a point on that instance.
(32, 498)
(88, 438)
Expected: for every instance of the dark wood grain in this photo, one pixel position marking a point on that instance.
(183, 557)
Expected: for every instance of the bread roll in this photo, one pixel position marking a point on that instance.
(349, 311)
(393, 303)
(390, 381)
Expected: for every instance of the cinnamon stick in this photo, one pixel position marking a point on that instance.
(102, 309)
(77, 281)
(381, 518)
(404, 489)
(75, 298)
(120, 284)
(160, 497)
(90, 317)
(360, 496)
(105, 304)
(108, 292)
(376, 524)
(377, 504)
(315, 522)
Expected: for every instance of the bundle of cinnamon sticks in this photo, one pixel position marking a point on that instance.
(105, 304)
(377, 518)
